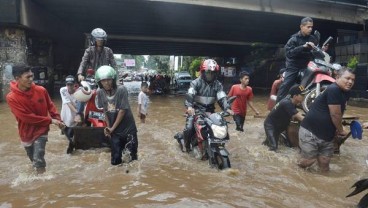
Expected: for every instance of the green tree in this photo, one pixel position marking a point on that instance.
(159, 63)
(194, 65)
(353, 62)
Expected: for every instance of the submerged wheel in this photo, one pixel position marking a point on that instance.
(222, 162)
(311, 96)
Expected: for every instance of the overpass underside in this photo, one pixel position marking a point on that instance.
(184, 27)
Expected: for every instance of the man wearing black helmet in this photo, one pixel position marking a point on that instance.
(94, 56)
(203, 93)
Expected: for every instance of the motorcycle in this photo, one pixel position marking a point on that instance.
(92, 135)
(211, 135)
(318, 75)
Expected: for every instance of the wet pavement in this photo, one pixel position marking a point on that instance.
(165, 177)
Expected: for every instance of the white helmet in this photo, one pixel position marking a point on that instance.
(337, 67)
(83, 93)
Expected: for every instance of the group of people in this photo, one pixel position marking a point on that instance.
(321, 127)
(35, 111)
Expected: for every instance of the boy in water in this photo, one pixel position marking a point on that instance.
(121, 126)
(244, 97)
(143, 100)
(69, 110)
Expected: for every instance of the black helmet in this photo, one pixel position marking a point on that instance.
(98, 34)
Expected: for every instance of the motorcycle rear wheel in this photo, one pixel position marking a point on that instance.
(311, 96)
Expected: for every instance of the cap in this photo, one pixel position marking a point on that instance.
(69, 79)
(297, 90)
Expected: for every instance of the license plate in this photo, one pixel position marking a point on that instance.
(219, 140)
(97, 115)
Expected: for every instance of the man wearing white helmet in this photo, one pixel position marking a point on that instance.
(94, 56)
(97, 54)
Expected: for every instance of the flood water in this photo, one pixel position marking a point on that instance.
(165, 177)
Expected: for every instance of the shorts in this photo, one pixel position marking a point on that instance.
(142, 116)
(36, 152)
(311, 146)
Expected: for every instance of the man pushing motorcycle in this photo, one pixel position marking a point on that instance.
(203, 93)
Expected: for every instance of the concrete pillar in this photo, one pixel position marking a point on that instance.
(12, 51)
(16, 47)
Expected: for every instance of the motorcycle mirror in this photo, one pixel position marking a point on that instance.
(231, 99)
(329, 39)
(317, 35)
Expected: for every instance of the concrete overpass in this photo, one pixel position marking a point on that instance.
(183, 27)
(53, 32)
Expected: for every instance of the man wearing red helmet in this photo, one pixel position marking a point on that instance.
(203, 93)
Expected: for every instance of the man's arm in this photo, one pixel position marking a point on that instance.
(250, 103)
(83, 64)
(336, 117)
(299, 116)
(119, 118)
(292, 49)
(112, 60)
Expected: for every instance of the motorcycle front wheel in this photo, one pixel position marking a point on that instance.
(222, 162)
(311, 96)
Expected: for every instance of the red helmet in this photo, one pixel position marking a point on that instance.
(209, 65)
(90, 72)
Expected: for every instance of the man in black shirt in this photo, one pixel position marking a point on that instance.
(279, 118)
(298, 54)
(324, 121)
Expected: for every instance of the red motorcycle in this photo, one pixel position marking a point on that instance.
(92, 135)
(318, 75)
(211, 135)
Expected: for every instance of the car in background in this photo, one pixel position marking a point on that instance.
(182, 81)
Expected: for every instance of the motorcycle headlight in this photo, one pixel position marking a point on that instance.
(219, 131)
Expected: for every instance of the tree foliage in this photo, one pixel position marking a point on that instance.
(159, 63)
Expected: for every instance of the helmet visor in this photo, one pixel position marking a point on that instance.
(210, 75)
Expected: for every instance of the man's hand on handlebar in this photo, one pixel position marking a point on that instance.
(80, 77)
(231, 112)
(190, 111)
(309, 45)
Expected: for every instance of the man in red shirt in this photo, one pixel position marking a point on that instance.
(34, 112)
(244, 97)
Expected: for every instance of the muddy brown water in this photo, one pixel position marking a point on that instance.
(165, 177)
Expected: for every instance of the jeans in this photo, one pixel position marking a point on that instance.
(80, 107)
(188, 131)
(290, 79)
(36, 152)
(239, 122)
(122, 143)
(272, 135)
